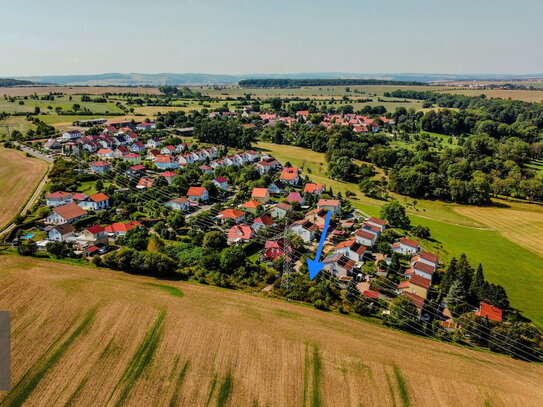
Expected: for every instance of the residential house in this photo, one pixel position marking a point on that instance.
(426, 258)
(164, 162)
(317, 216)
(490, 312)
(66, 214)
(60, 233)
(206, 169)
(145, 126)
(316, 189)
(274, 249)
(295, 197)
(198, 194)
(261, 195)
(132, 158)
(305, 229)
(168, 150)
(52, 144)
(145, 183)
(71, 135)
(280, 210)
(99, 167)
(263, 222)
(221, 183)
(289, 175)
(234, 214)
(406, 246)
(338, 265)
(421, 269)
(131, 137)
(105, 153)
(95, 235)
(376, 222)
(152, 154)
(154, 142)
(276, 187)
(120, 152)
(331, 205)
(239, 234)
(251, 206)
(179, 204)
(415, 299)
(96, 202)
(135, 171)
(365, 238)
(137, 147)
(120, 229)
(352, 249)
(416, 285)
(58, 198)
(168, 176)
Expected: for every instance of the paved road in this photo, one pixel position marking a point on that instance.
(46, 157)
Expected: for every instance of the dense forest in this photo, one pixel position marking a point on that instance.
(296, 83)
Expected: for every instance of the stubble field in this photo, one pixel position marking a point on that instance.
(83, 336)
(18, 177)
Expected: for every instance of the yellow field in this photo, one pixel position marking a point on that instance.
(520, 226)
(76, 90)
(18, 177)
(84, 336)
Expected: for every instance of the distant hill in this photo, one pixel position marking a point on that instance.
(8, 82)
(296, 83)
(186, 79)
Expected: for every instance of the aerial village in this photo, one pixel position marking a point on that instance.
(283, 217)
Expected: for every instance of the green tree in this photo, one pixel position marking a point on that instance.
(232, 258)
(394, 213)
(215, 240)
(137, 238)
(403, 314)
(456, 298)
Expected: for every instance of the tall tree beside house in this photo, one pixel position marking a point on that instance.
(99, 185)
(477, 286)
(450, 275)
(395, 267)
(403, 314)
(477, 329)
(456, 298)
(464, 271)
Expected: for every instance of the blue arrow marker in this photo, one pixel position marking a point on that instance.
(315, 266)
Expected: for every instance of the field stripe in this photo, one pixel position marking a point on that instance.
(179, 384)
(316, 393)
(141, 359)
(225, 390)
(213, 384)
(37, 372)
(402, 386)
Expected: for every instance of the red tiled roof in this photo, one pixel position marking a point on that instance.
(99, 197)
(416, 299)
(377, 221)
(425, 268)
(251, 204)
(328, 202)
(312, 188)
(420, 281)
(259, 192)
(122, 227)
(168, 174)
(289, 174)
(426, 256)
(294, 197)
(231, 214)
(59, 194)
(409, 242)
(489, 311)
(196, 191)
(365, 235)
(265, 220)
(220, 180)
(371, 294)
(284, 206)
(240, 232)
(69, 211)
(95, 229)
(99, 164)
(137, 167)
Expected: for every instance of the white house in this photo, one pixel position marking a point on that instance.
(66, 214)
(406, 246)
(96, 202)
(305, 229)
(60, 233)
(221, 183)
(426, 258)
(198, 194)
(58, 198)
(179, 204)
(365, 238)
(71, 135)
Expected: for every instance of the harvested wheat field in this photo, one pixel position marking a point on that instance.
(18, 178)
(83, 336)
(522, 227)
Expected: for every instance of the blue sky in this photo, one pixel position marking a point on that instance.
(252, 36)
